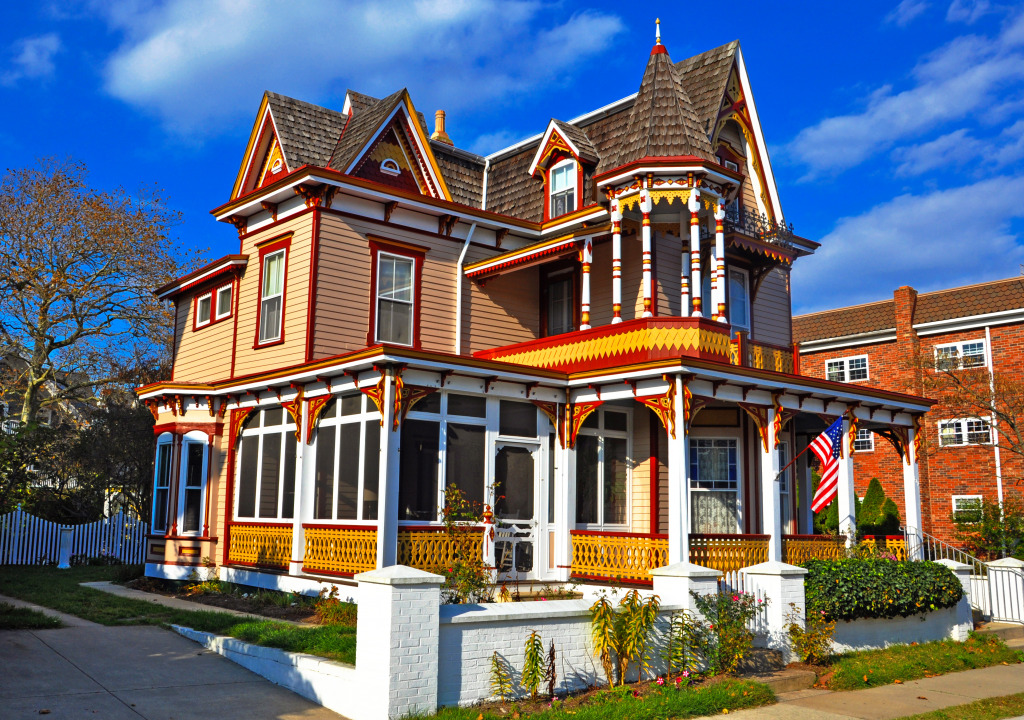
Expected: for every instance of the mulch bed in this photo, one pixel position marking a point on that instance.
(228, 601)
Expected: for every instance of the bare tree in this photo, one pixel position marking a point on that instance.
(77, 270)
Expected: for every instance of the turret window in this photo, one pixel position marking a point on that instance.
(563, 188)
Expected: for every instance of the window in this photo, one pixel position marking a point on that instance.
(390, 167)
(714, 482)
(266, 467)
(967, 508)
(193, 478)
(954, 356)
(347, 460)
(223, 302)
(865, 441)
(272, 296)
(785, 486)
(558, 301)
(602, 468)
(739, 300)
(730, 165)
(203, 305)
(162, 482)
(847, 369)
(395, 298)
(563, 188)
(967, 431)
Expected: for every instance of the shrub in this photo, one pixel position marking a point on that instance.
(722, 637)
(467, 579)
(330, 610)
(877, 515)
(991, 530)
(533, 665)
(622, 636)
(812, 639)
(876, 588)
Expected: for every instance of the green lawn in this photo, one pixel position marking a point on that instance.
(17, 618)
(991, 709)
(60, 590)
(620, 704)
(871, 668)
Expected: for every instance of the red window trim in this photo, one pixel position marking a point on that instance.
(269, 247)
(213, 292)
(418, 255)
(557, 159)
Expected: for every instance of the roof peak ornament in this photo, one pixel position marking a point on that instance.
(658, 47)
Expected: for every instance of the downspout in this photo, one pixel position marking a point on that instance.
(483, 192)
(995, 420)
(458, 286)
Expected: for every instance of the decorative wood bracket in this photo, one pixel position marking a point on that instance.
(918, 421)
(270, 207)
(294, 410)
(899, 438)
(154, 409)
(310, 195)
(238, 418)
(782, 417)
(499, 236)
(241, 224)
(209, 406)
(446, 224)
(554, 412)
(411, 394)
(759, 414)
(578, 413)
(314, 409)
(664, 406)
(389, 207)
(376, 394)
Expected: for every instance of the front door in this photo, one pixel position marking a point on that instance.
(517, 510)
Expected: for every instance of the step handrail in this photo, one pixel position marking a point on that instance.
(932, 548)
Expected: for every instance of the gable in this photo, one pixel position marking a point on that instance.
(263, 155)
(389, 161)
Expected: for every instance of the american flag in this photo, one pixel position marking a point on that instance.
(827, 447)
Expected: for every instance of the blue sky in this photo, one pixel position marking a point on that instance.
(896, 130)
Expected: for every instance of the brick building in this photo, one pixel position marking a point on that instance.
(899, 344)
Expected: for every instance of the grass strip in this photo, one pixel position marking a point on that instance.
(620, 704)
(995, 708)
(19, 618)
(872, 668)
(60, 590)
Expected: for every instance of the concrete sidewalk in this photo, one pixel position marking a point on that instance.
(132, 672)
(894, 701)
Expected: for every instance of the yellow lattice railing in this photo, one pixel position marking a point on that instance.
(338, 550)
(260, 544)
(796, 550)
(728, 552)
(432, 549)
(896, 546)
(617, 556)
(770, 357)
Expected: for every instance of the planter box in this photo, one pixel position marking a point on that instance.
(869, 634)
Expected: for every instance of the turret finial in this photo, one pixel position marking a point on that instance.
(657, 31)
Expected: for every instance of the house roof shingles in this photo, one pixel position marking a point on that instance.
(359, 131)
(704, 77)
(307, 132)
(844, 322)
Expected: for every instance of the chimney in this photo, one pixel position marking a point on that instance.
(439, 134)
(905, 301)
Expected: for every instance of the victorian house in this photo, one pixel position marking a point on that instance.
(587, 333)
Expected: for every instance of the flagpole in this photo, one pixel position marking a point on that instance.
(790, 463)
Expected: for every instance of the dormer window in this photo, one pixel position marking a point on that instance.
(563, 188)
(390, 167)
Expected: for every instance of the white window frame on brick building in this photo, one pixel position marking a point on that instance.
(846, 368)
(975, 351)
(865, 440)
(965, 431)
(973, 505)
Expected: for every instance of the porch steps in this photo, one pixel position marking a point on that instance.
(1009, 632)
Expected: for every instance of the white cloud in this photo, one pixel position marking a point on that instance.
(967, 11)
(198, 64)
(956, 81)
(33, 58)
(952, 149)
(492, 142)
(904, 13)
(930, 241)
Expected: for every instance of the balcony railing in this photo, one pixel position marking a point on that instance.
(758, 225)
(762, 356)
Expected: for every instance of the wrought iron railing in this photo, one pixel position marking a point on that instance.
(262, 544)
(339, 550)
(741, 220)
(928, 547)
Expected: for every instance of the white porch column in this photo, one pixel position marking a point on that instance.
(684, 269)
(387, 512)
(847, 497)
(719, 267)
(616, 263)
(645, 207)
(565, 507)
(679, 484)
(695, 283)
(302, 508)
(587, 257)
(912, 497)
(771, 499)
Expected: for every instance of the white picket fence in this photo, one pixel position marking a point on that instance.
(736, 581)
(28, 540)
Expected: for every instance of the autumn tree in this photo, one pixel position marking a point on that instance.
(77, 269)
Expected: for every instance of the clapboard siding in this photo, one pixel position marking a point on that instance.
(771, 310)
(504, 311)
(296, 299)
(667, 268)
(640, 491)
(203, 354)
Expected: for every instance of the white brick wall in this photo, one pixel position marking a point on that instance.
(945, 624)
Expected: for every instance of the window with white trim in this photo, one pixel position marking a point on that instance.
(849, 369)
(959, 355)
(739, 300)
(865, 440)
(266, 467)
(563, 188)
(162, 482)
(396, 298)
(194, 459)
(347, 460)
(223, 308)
(602, 468)
(964, 431)
(204, 304)
(714, 484)
(967, 508)
(272, 296)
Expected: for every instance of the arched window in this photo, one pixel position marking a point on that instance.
(390, 167)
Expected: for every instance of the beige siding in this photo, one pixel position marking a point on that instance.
(771, 310)
(204, 354)
(296, 299)
(640, 501)
(667, 267)
(504, 311)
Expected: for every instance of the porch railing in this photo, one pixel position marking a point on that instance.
(798, 549)
(895, 545)
(617, 556)
(728, 552)
(262, 544)
(339, 550)
(770, 357)
(431, 548)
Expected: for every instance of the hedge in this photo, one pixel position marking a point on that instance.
(876, 588)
